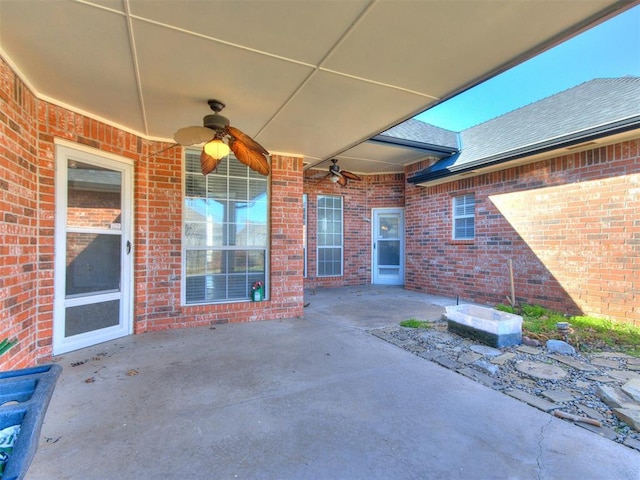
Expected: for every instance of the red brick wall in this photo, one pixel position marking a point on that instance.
(20, 221)
(570, 225)
(374, 191)
(27, 195)
(159, 241)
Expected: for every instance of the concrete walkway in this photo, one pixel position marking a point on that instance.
(310, 398)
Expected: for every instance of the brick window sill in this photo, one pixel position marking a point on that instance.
(462, 242)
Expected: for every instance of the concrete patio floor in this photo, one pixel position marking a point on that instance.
(307, 398)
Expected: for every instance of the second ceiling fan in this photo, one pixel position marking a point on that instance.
(339, 176)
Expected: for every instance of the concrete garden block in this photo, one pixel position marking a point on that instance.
(487, 325)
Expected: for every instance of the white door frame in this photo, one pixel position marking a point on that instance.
(376, 277)
(66, 151)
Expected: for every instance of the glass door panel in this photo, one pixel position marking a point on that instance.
(388, 247)
(93, 263)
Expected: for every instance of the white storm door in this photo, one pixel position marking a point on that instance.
(388, 246)
(93, 261)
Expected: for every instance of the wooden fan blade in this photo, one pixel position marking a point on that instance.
(319, 175)
(207, 163)
(193, 135)
(251, 158)
(349, 175)
(342, 181)
(249, 142)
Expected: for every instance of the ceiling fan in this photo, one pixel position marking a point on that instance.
(340, 176)
(215, 130)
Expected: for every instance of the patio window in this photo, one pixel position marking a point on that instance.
(225, 231)
(464, 217)
(329, 236)
(304, 234)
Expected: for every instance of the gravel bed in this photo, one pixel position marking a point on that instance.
(575, 393)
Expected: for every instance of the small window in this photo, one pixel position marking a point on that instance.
(464, 227)
(329, 236)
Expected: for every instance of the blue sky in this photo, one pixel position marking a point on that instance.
(611, 49)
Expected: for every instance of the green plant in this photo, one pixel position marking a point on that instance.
(505, 308)
(602, 333)
(413, 323)
(6, 344)
(586, 333)
(535, 311)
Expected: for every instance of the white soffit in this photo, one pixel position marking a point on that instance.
(369, 157)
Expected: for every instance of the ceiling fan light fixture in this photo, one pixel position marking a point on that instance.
(214, 131)
(335, 178)
(216, 148)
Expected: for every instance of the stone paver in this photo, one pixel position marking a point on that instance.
(602, 431)
(558, 396)
(532, 400)
(446, 362)
(632, 388)
(613, 396)
(482, 378)
(606, 362)
(415, 349)
(601, 379)
(486, 350)
(630, 416)
(582, 385)
(633, 443)
(573, 363)
(529, 350)
(623, 375)
(541, 370)
(504, 358)
(592, 412)
(469, 357)
(486, 367)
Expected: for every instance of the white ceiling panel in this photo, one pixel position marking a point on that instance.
(313, 77)
(265, 26)
(371, 157)
(450, 41)
(331, 106)
(80, 56)
(180, 72)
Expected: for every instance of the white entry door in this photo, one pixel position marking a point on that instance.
(93, 235)
(388, 246)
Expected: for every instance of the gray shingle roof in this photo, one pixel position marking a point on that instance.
(590, 109)
(420, 132)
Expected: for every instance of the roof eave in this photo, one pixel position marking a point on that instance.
(432, 149)
(565, 141)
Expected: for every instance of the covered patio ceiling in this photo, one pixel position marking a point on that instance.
(316, 78)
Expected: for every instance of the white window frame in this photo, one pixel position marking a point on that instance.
(225, 248)
(305, 201)
(463, 209)
(330, 229)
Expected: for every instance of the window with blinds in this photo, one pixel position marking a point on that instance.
(225, 232)
(464, 217)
